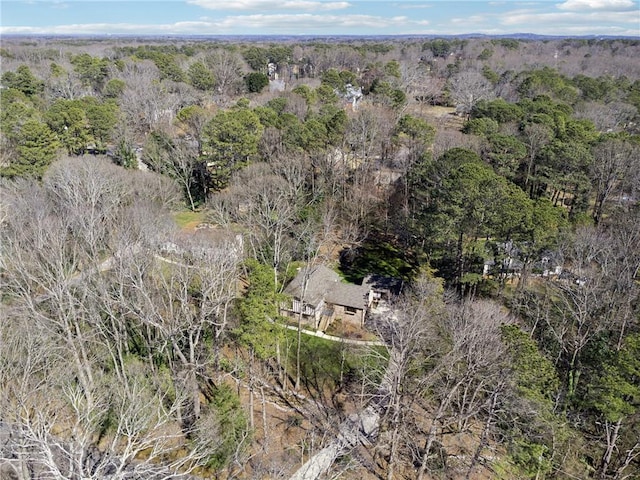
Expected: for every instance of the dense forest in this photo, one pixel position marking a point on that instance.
(158, 196)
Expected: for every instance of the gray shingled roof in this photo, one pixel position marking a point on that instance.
(348, 295)
(324, 283)
(321, 279)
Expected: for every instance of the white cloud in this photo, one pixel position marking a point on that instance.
(599, 5)
(472, 23)
(568, 19)
(412, 6)
(570, 23)
(308, 5)
(17, 30)
(77, 29)
(306, 22)
(259, 24)
(470, 20)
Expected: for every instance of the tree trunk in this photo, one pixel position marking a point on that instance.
(191, 204)
(631, 455)
(485, 434)
(297, 384)
(573, 375)
(395, 436)
(251, 405)
(298, 347)
(190, 382)
(612, 439)
(528, 175)
(434, 428)
(265, 446)
(597, 208)
(459, 258)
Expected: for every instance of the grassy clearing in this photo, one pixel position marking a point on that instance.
(188, 219)
(329, 366)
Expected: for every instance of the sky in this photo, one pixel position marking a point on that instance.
(318, 17)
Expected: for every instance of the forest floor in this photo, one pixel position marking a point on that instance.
(442, 118)
(284, 439)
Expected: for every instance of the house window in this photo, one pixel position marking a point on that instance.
(350, 310)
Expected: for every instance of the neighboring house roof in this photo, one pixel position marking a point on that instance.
(348, 295)
(325, 284)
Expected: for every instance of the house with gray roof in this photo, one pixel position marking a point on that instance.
(319, 295)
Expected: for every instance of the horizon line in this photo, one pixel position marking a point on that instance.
(305, 35)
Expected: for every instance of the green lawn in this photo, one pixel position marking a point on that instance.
(334, 365)
(188, 219)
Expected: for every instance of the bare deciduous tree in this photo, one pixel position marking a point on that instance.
(265, 199)
(227, 67)
(181, 302)
(468, 88)
(89, 194)
(179, 160)
(145, 101)
(78, 390)
(535, 136)
(614, 160)
(408, 334)
(467, 375)
(607, 117)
